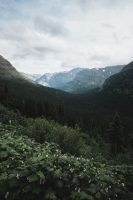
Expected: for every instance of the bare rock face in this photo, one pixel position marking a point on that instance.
(6, 67)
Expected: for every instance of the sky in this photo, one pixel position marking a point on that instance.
(40, 36)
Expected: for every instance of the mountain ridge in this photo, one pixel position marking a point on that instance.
(122, 82)
(58, 79)
(78, 80)
(6, 67)
(128, 66)
(36, 100)
(91, 78)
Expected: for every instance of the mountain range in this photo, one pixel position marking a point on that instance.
(88, 79)
(88, 109)
(77, 80)
(32, 77)
(58, 80)
(101, 137)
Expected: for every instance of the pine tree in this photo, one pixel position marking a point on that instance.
(6, 89)
(6, 93)
(116, 135)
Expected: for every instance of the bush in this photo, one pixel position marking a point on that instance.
(70, 140)
(30, 171)
(11, 117)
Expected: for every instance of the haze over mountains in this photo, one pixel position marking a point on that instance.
(77, 80)
(58, 80)
(33, 77)
(92, 110)
(88, 79)
(121, 83)
(66, 100)
(112, 96)
(113, 77)
(6, 69)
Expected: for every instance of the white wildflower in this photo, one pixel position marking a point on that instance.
(6, 195)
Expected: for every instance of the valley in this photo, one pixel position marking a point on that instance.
(66, 100)
(45, 123)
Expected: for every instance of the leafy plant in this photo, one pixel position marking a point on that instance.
(29, 170)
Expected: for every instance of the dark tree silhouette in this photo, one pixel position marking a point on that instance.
(116, 135)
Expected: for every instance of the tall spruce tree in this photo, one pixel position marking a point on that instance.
(116, 135)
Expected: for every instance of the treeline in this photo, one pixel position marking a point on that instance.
(100, 125)
(115, 145)
(41, 159)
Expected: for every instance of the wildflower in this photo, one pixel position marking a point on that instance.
(123, 184)
(6, 195)
(17, 176)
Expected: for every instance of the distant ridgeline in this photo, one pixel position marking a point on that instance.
(91, 110)
(77, 80)
(29, 98)
(43, 159)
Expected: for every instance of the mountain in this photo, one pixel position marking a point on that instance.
(32, 77)
(30, 98)
(58, 80)
(78, 80)
(97, 107)
(121, 83)
(128, 67)
(6, 69)
(88, 79)
(94, 108)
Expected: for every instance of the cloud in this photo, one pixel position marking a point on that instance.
(49, 26)
(46, 36)
(108, 26)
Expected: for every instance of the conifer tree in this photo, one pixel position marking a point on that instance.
(116, 135)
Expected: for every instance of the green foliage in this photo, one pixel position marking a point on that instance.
(34, 100)
(115, 135)
(11, 117)
(70, 140)
(30, 171)
(33, 167)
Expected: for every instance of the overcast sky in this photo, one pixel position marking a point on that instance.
(40, 36)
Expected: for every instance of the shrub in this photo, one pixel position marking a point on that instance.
(30, 171)
(70, 140)
(11, 117)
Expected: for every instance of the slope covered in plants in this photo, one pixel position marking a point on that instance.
(30, 170)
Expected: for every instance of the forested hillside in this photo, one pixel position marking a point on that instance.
(38, 160)
(55, 145)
